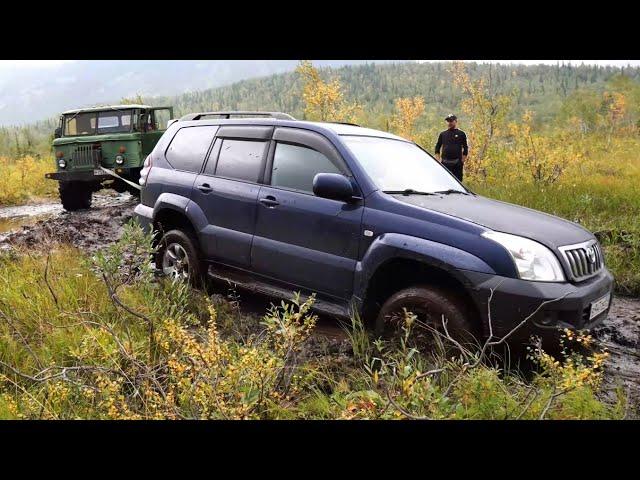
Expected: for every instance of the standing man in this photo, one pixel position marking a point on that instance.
(453, 143)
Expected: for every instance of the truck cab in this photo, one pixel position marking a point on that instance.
(104, 147)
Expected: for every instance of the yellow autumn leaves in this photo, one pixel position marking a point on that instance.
(23, 178)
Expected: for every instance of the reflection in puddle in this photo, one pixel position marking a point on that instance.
(13, 218)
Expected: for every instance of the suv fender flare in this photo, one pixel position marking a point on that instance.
(183, 206)
(390, 246)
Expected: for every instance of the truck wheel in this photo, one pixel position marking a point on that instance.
(178, 257)
(75, 195)
(429, 304)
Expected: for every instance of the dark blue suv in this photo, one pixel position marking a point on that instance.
(368, 221)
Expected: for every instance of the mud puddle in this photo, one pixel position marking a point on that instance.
(91, 229)
(620, 334)
(14, 218)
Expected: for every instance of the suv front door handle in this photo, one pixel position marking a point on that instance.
(269, 201)
(205, 188)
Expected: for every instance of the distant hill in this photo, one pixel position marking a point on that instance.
(541, 88)
(31, 94)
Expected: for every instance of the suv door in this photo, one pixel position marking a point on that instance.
(227, 191)
(301, 239)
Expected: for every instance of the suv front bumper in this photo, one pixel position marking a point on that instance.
(568, 304)
(144, 216)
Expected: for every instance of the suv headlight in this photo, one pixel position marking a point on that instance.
(533, 260)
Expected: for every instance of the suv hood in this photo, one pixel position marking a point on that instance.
(504, 217)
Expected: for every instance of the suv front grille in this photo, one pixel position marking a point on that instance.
(584, 259)
(86, 156)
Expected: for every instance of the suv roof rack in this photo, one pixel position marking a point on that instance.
(229, 114)
(347, 123)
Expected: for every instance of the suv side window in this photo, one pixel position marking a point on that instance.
(241, 159)
(189, 147)
(295, 166)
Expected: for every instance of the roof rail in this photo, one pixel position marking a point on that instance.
(347, 123)
(229, 114)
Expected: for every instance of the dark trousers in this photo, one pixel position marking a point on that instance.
(454, 166)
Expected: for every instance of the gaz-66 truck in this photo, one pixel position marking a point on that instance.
(104, 147)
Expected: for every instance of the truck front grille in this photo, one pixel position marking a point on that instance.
(86, 156)
(585, 259)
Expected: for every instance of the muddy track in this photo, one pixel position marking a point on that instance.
(90, 230)
(31, 225)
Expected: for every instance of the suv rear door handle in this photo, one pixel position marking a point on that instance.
(205, 188)
(269, 201)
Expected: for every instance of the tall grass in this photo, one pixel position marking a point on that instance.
(67, 350)
(22, 179)
(599, 192)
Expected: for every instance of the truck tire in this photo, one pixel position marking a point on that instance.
(429, 303)
(178, 257)
(75, 195)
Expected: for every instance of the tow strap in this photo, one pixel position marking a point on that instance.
(114, 174)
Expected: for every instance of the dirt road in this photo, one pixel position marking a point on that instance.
(92, 229)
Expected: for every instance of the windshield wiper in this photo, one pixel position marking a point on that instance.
(408, 191)
(451, 190)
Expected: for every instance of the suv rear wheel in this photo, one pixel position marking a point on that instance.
(75, 195)
(429, 304)
(178, 258)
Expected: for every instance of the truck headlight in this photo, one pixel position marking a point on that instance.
(62, 163)
(119, 159)
(533, 260)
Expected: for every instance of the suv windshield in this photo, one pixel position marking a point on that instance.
(397, 166)
(97, 123)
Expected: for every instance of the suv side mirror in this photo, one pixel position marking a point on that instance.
(333, 186)
(57, 133)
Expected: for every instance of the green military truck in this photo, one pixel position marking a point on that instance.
(104, 147)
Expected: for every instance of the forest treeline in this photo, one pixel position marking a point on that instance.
(553, 93)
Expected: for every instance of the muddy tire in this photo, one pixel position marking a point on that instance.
(178, 257)
(429, 303)
(75, 195)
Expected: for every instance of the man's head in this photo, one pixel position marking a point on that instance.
(452, 120)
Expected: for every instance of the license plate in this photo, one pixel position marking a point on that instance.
(97, 171)
(599, 306)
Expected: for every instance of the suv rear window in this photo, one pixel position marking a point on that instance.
(241, 159)
(189, 147)
(295, 167)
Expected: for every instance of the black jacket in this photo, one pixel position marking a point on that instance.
(453, 143)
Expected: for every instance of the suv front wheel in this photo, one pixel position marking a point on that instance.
(178, 258)
(430, 305)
